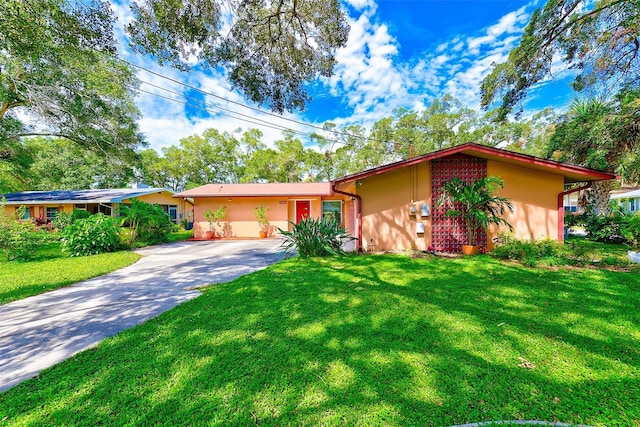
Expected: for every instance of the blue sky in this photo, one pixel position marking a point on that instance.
(399, 54)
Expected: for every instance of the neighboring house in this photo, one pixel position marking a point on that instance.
(394, 207)
(571, 203)
(629, 201)
(46, 204)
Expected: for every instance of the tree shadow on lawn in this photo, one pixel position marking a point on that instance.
(362, 341)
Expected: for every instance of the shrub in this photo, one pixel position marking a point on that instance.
(606, 228)
(571, 219)
(529, 253)
(315, 237)
(551, 253)
(62, 220)
(148, 223)
(630, 230)
(97, 234)
(41, 222)
(19, 239)
(80, 214)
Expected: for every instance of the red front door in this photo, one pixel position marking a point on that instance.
(302, 210)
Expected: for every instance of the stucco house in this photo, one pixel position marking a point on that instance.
(394, 207)
(46, 204)
(286, 203)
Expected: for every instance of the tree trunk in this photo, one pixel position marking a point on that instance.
(598, 197)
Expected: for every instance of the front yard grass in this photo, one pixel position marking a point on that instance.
(364, 340)
(52, 270)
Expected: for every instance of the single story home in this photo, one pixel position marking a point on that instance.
(286, 203)
(46, 204)
(394, 207)
(629, 201)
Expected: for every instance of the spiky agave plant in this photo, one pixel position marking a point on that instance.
(315, 237)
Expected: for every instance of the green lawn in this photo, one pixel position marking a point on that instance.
(364, 340)
(51, 270)
(180, 235)
(598, 249)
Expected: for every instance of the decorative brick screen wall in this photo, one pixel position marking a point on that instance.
(449, 233)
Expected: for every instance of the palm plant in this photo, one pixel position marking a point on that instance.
(148, 223)
(476, 204)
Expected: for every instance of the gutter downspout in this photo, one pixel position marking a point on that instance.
(561, 209)
(358, 217)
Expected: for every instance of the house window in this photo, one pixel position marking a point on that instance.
(52, 212)
(173, 213)
(332, 209)
(26, 214)
(633, 205)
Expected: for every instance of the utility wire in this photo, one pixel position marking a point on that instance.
(233, 114)
(335, 132)
(201, 108)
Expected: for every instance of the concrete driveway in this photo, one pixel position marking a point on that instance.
(40, 331)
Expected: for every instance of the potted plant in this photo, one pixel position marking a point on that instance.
(477, 205)
(214, 217)
(261, 215)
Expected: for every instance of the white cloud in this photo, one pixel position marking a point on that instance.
(370, 79)
(366, 74)
(511, 23)
(165, 122)
(362, 4)
(373, 81)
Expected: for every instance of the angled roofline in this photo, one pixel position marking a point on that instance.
(473, 149)
(142, 193)
(631, 194)
(133, 194)
(270, 189)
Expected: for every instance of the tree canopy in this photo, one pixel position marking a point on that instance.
(215, 156)
(60, 76)
(599, 40)
(269, 49)
(603, 135)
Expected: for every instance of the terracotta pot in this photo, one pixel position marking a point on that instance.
(209, 235)
(470, 250)
(263, 234)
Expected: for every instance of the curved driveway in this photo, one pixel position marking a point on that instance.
(40, 331)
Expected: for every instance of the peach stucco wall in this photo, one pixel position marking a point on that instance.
(240, 221)
(386, 200)
(534, 195)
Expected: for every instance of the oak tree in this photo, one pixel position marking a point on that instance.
(270, 49)
(599, 40)
(60, 76)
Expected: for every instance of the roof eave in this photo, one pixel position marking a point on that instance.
(570, 172)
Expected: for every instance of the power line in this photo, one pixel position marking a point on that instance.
(223, 98)
(335, 132)
(276, 127)
(202, 108)
(247, 118)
